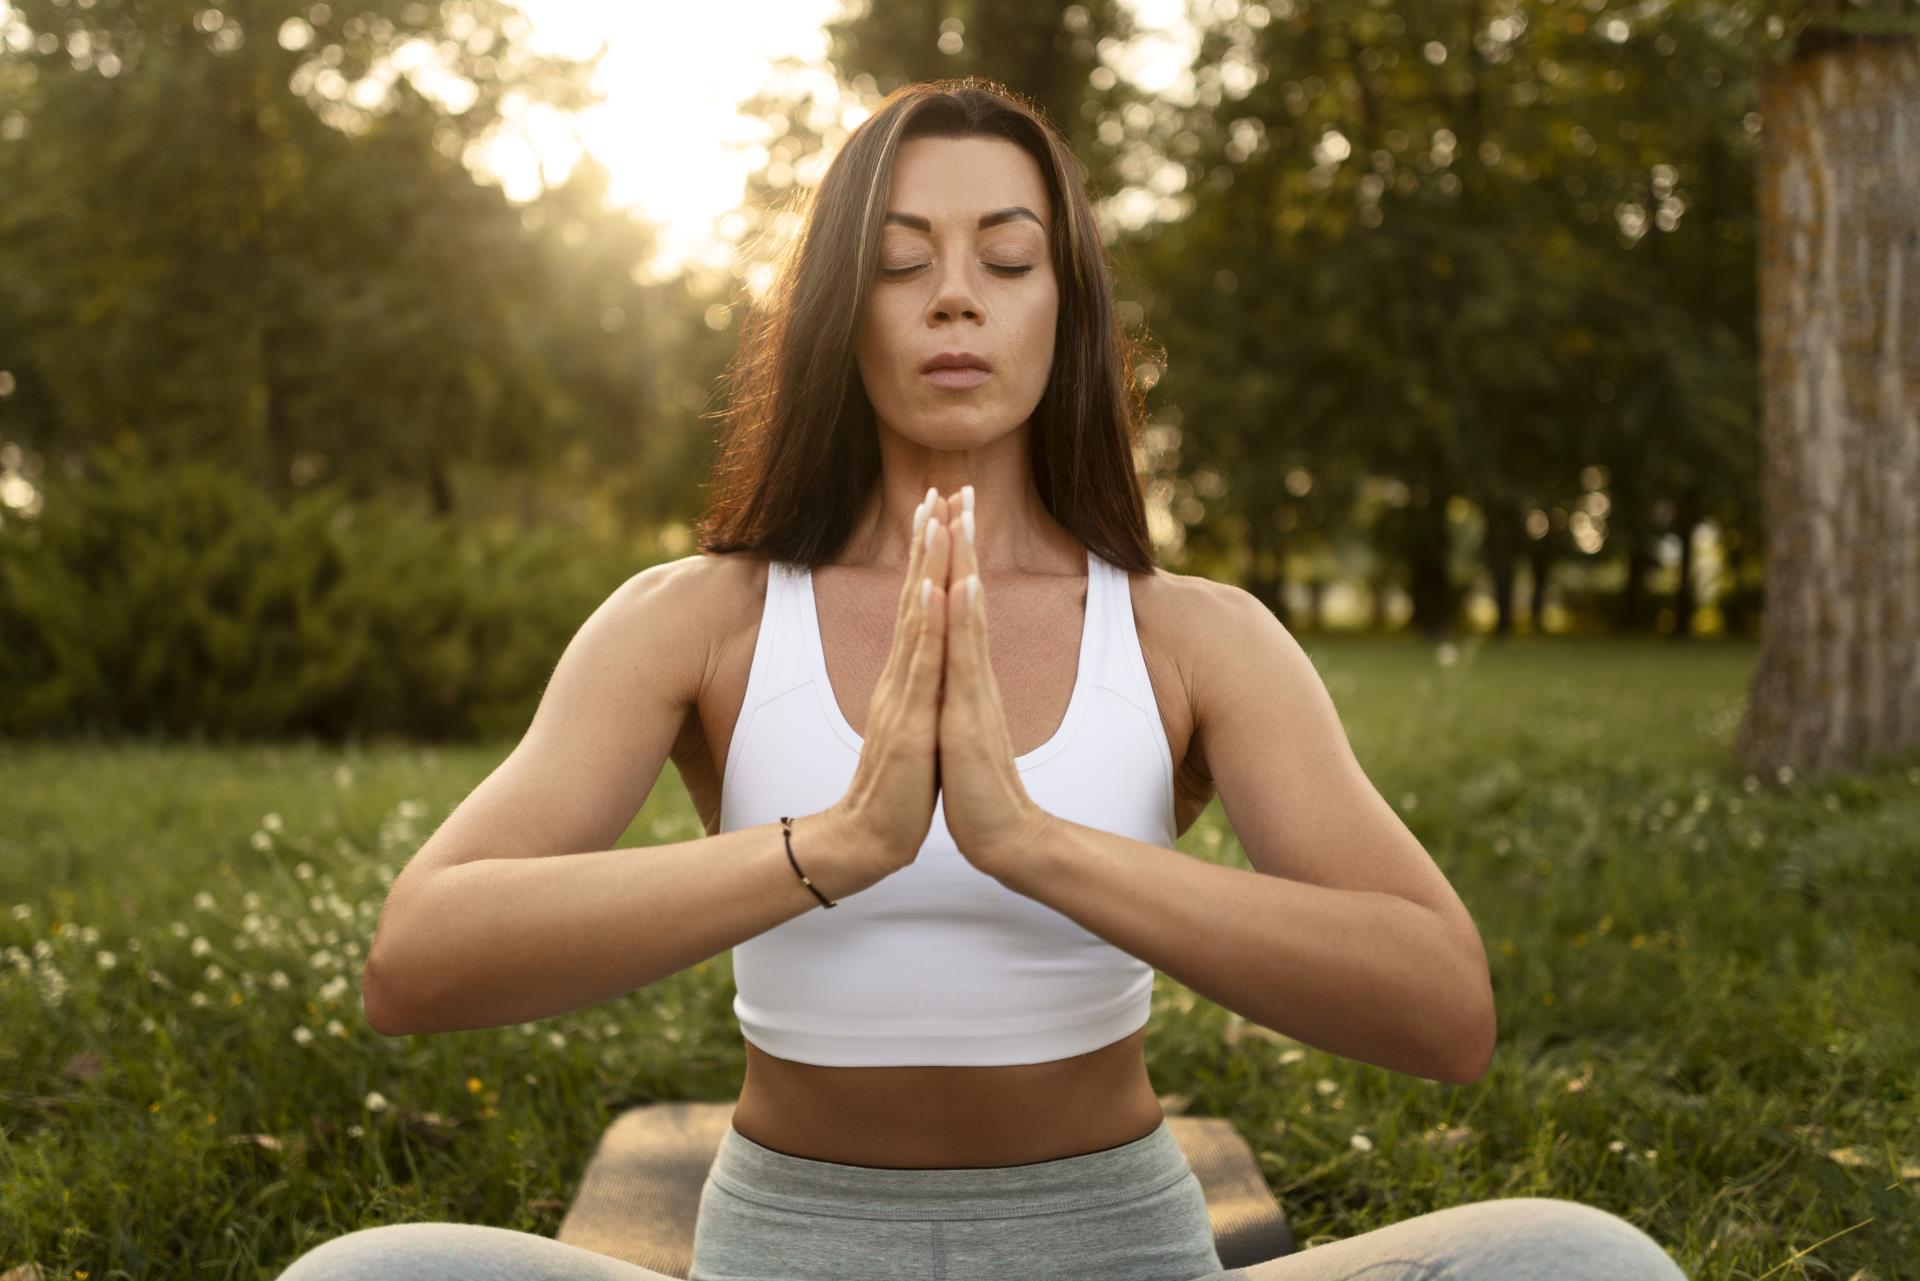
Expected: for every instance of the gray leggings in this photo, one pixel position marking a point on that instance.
(1129, 1213)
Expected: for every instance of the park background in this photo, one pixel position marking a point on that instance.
(351, 355)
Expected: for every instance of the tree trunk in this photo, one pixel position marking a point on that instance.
(1685, 595)
(1540, 561)
(439, 488)
(1838, 682)
(1501, 551)
(1427, 578)
(1635, 614)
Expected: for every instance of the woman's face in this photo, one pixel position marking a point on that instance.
(944, 283)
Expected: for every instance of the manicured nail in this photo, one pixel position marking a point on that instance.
(919, 518)
(966, 525)
(966, 497)
(973, 590)
(932, 493)
(926, 591)
(931, 526)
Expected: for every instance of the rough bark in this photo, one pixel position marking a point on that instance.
(1838, 683)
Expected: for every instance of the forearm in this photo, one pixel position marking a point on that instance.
(499, 941)
(1366, 975)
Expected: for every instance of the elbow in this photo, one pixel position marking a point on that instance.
(1470, 1050)
(377, 1002)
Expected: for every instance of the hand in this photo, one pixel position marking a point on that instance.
(988, 811)
(889, 804)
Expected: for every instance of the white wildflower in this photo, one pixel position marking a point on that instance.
(303, 870)
(336, 1028)
(271, 822)
(261, 841)
(1360, 1142)
(107, 960)
(21, 911)
(1292, 1056)
(376, 1101)
(1327, 1086)
(200, 946)
(278, 979)
(214, 974)
(203, 901)
(302, 1035)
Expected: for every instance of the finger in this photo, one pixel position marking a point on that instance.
(930, 648)
(965, 561)
(908, 618)
(916, 558)
(940, 554)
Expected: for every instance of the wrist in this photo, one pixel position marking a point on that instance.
(1021, 851)
(839, 854)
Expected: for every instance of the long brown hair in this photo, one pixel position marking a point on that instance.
(798, 453)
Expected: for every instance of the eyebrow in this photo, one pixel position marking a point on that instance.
(992, 219)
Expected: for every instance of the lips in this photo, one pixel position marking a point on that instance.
(957, 360)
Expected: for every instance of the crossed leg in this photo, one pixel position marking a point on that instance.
(1511, 1238)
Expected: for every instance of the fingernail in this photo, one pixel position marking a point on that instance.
(926, 591)
(966, 497)
(973, 589)
(931, 526)
(919, 518)
(966, 525)
(932, 493)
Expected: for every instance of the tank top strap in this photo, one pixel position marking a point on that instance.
(780, 652)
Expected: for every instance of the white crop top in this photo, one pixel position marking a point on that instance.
(940, 964)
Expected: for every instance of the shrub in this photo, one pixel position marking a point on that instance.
(180, 601)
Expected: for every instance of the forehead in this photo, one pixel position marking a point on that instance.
(952, 181)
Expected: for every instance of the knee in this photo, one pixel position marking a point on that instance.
(1554, 1237)
(424, 1250)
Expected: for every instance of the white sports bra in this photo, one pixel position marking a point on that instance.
(940, 964)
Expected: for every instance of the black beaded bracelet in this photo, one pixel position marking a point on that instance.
(786, 831)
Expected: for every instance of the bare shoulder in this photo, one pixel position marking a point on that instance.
(1177, 614)
(703, 601)
(1193, 632)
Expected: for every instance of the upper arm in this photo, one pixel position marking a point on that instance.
(599, 736)
(1293, 791)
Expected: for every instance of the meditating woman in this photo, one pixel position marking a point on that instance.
(944, 719)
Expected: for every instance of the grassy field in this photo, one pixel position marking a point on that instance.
(1707, 988)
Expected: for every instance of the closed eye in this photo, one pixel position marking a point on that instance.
(898, 273)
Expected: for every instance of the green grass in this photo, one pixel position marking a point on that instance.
(1706, 983)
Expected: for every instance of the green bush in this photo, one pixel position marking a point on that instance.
(180, 601)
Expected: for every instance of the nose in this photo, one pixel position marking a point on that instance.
(954, 293)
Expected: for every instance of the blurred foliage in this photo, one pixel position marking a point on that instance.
(248, 235)
(1454, 293)
(176, 599)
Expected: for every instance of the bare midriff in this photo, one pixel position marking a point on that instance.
(920, 1118)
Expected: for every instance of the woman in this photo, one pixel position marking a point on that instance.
(944, 963)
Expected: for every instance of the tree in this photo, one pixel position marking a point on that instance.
(1838, 683)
